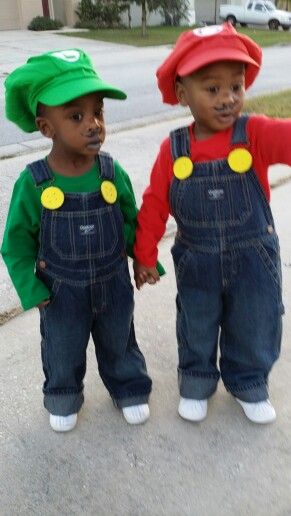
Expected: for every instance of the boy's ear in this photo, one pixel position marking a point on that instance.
(44, 126)
(181, 93)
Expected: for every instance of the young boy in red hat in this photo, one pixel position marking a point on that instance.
(70, 226)
(212, 178)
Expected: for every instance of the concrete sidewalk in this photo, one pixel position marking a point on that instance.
(221, 467)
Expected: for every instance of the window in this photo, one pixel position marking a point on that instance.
(270, 6)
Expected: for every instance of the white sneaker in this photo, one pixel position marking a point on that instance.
(63, 423)
(136, 414)
(258, 412)
(193, 410)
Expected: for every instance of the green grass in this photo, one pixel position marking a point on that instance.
(168, 35)
(155, 35)
(266, 37)
(275, 105)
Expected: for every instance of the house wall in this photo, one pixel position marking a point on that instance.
(69, 7)
(153, 18)
(17, 14)
(28, 9)
(207, 11)
(9, 15)
(59, 12)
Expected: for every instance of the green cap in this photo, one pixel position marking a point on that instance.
(53, 79)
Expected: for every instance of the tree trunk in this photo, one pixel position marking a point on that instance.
(143, 18)
(129, 17)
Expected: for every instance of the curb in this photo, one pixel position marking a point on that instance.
(8, 315)
(19, 149)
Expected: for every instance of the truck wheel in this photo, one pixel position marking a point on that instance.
(274, 25)
(285, 27)
(231, 19)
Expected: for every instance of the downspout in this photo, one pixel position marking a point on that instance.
(51, 9)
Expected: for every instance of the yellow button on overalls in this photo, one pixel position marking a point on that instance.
(240, 160)
(183, 167)
(52, 198)
(109, 192)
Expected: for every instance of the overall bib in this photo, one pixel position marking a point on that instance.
(82, 260)
(228, 273)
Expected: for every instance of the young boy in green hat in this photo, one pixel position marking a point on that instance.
(212, 176)
(70, 226)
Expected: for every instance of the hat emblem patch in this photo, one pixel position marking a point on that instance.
(208, 31)
(71, 56)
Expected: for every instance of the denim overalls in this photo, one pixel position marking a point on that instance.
(82, 260)
(228, 273)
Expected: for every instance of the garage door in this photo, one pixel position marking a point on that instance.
(9, 15)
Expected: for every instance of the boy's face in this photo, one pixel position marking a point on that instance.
(76, 127)
(215, 95)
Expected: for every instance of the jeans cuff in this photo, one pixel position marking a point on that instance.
(63, 404)
(249, 393)
(130, 401)
(197, 387)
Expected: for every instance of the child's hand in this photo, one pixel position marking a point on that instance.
(43, 303)
(144, 274)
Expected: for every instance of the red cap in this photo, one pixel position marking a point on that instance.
(201, 47)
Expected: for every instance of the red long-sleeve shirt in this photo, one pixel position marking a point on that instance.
(269, 143)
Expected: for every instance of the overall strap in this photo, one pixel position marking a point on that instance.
(40, 172)
(239, 133)
(180, 142)
(106, 166)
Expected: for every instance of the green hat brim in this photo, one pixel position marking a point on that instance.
(56, 96)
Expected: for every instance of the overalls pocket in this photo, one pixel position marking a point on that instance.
(268, 251)
(216, 202)
(84, 235)
(181, 258)
(53, 284)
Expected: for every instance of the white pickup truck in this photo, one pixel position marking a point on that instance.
(260, 12)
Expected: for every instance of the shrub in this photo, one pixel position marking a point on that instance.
(86, 11)
(100, 13)
(44, 23)
(173, 11)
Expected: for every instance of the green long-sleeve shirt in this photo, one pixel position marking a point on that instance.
(21, 236)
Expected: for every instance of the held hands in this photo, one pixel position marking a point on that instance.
(144, 274)
(43, 303)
